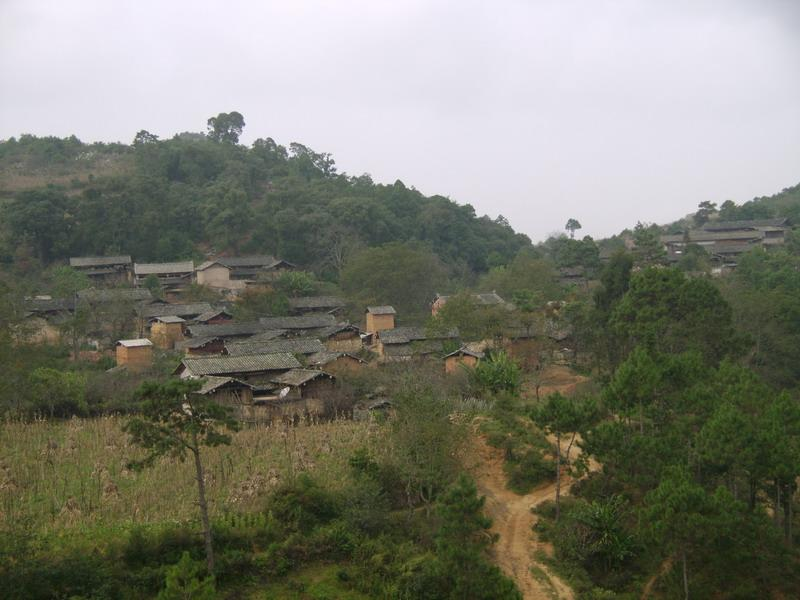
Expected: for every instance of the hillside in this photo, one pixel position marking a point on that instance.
(195, 193)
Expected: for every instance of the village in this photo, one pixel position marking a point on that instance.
(276, 368)
(286, 367)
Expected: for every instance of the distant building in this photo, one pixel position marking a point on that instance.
(380, 318)
(341, 337)
(166, 331)
(725, 241)
(482, 299)
(295, 346)
(316, 304)
(135, 355)
(304, 325)
(201, 346)
(463, 357)
(227, 330)
(173, 277)
(407, 343)
(237, 272)
(104, 270)
(253, 369)
(337, 363)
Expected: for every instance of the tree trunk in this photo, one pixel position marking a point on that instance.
(685, 577)
(641, 418)
(201, 496)
(787, 514)
(558, 476)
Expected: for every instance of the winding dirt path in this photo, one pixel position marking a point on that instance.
(515, 551)
(513, 520)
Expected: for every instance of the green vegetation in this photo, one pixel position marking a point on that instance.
(176, 198)
(387, 504)
(685, 461)
(697, 492)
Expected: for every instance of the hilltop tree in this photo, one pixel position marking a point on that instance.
(226, 127)
(572, 226)
(176, 421)
(648, 249)
(144, 137)
(704, 210)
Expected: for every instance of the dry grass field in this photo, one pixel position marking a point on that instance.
(62, 474)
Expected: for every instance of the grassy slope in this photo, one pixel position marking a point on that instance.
(64, 475)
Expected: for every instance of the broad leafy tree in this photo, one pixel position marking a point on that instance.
(226, 127)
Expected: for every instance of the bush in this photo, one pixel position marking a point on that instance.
(528, 471)
(498, 373)
(303, 504)
(184, 581)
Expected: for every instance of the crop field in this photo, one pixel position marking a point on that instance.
(57, 475)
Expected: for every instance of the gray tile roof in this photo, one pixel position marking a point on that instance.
(320, 359)
(414, 348)
(327, 332)
(163, 268)
(404, 335)
(176, 310)
(211, 383)
(245, 262)
(301, 322)
(294, 346)
(381, 310)
(210, 314)
(231, 328)
(99, 261)
(169, 319)
(40, 305)
(135, 343)
(298, 377)
(749, 224)
(250, 363)
(115, 295)
(195, 342)
(264, 261)
(266, 335)
(699, 235)
(465, 352)
(316, 302)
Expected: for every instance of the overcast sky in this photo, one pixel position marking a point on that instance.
(609, 111)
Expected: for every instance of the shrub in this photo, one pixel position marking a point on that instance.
(183, 581)
(303, 504)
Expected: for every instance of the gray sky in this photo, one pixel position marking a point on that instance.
(609, 111)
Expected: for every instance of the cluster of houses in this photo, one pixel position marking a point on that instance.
(726, 241)
(272, 368)
(225, 274)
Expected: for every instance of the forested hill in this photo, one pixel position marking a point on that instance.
(193, 194)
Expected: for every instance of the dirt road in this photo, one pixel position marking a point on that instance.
(513, 520)
(515, 551)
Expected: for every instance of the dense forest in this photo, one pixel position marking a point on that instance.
(162, 200)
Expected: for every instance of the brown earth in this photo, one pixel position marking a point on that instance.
(516, 549)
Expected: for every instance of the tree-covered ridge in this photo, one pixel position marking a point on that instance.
(195, 193)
